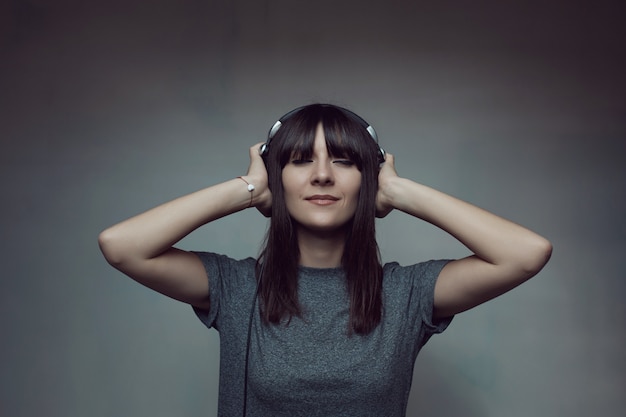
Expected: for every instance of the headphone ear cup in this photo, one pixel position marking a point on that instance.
(263, 150)
(382, 155)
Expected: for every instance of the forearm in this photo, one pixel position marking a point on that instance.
(151, 233)
(495, 240)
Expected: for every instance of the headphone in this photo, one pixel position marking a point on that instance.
(264, 149)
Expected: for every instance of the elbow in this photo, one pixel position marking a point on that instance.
(110, 246)
(537, 256)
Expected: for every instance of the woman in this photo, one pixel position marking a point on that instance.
(325, 329)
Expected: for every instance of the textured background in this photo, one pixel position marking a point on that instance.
(109, 108)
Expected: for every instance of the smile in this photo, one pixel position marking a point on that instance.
(322, 200)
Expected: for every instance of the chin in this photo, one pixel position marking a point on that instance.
(323, 228)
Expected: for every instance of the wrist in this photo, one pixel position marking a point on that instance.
(259, 193)
(391, 191)
(250, 187)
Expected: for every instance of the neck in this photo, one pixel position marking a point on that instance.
(318, 250)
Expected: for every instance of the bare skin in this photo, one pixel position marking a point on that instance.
(504, 253)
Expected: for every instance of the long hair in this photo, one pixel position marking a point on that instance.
(278, 286)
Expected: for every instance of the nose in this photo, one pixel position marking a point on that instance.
(322, 173)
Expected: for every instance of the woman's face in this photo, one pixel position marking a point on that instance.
(321, 193)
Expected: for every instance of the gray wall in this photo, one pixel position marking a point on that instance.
(112, 108)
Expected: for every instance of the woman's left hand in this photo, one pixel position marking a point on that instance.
(387, 173)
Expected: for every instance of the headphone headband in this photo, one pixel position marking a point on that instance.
(276, 127)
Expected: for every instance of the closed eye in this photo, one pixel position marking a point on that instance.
(300, 161)
(344, 162)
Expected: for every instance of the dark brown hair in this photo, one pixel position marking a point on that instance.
(345, 137)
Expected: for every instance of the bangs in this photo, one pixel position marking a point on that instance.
(345, 138)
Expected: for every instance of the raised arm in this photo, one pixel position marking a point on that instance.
(142, 246)
(504, 254)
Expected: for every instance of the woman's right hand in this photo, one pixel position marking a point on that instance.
(257, 175)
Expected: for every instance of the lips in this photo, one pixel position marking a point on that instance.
(322, 199)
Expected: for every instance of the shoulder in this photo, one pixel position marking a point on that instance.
(216, 259)
(228, 278)
(232, 285)
(410, 289)
(428, 269)
(222, 268)
(419, 278)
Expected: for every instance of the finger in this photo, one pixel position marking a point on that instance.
(256, 161)
(390, 164)
(255, 151)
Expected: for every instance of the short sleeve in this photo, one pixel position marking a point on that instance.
(230, 282)
(425, 279)
(415, 284)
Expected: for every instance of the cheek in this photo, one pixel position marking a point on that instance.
(356, 187)
(287, 184)
(291, 188)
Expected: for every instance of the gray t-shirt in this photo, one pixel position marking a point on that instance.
(311, 367)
